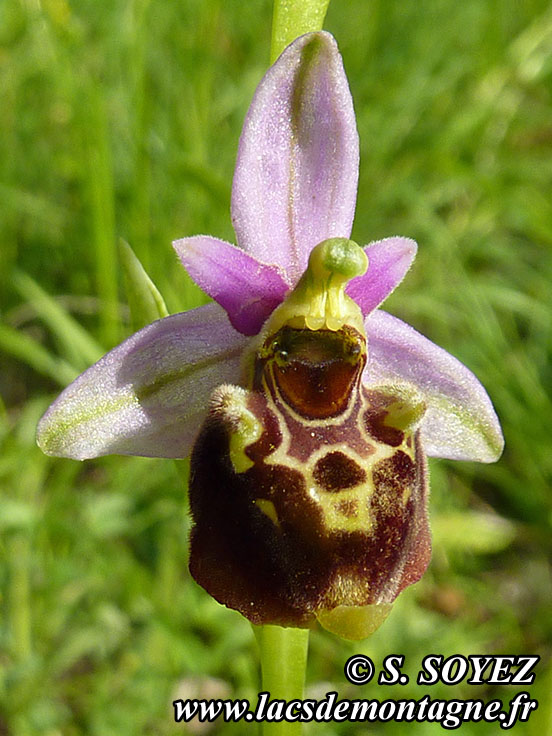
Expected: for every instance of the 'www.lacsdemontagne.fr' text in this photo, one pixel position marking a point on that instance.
(449, 713)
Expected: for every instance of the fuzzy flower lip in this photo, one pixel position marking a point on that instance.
(294, 186)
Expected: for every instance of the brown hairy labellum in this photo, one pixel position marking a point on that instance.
(305, 499)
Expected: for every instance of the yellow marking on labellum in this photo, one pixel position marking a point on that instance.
(357, 499)
(332, 503)
(229, 402)
(407, 408)
(329, 501)
(268, 509)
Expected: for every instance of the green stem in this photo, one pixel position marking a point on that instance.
(292, 18)
(283, 665)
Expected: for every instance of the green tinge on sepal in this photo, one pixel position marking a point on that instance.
(293, 18)
(144, 299)
(52, 435)
(483, 440)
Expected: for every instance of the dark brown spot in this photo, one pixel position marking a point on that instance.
(393, 475)
(347, 508)
(336, 472)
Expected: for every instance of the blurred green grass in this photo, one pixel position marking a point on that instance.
(122, 119)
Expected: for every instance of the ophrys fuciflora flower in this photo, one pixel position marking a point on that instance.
(310, 410)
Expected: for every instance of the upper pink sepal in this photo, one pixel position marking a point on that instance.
(297, 168)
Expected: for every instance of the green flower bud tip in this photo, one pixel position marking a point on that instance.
(319, 300)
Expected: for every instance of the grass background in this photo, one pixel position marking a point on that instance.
(121, 119)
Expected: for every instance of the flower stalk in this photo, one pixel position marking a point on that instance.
(283, 654)
(293, 18)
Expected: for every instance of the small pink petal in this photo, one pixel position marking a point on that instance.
(388, 263)
(149, 395)
(248, 290)
(297, 169)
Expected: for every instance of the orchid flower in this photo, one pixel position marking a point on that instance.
(309, 411)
